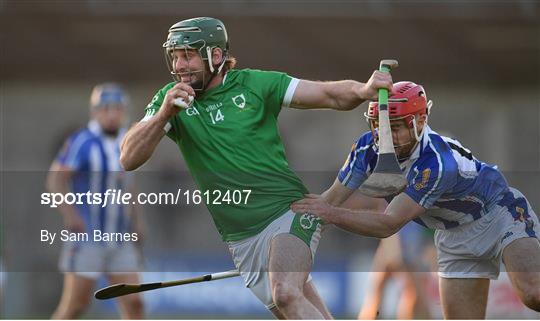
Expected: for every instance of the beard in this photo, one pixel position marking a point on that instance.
(198, 84)
(202, 78)
(196, 80)
(112, 132)
(404, 151)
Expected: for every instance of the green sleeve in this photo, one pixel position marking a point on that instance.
(154, 105)
(273, 86)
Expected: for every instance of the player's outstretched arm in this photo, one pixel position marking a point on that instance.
(342, 196)
(401, 210)
(339, 95)
(337, 194)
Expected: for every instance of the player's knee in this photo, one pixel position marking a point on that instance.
(284, 294)
(531, 298)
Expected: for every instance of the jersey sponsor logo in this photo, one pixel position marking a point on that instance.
(212, 107)
(307, 220)
(239, 101)
(425, 178)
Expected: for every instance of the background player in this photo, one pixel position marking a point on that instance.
(397, 257)
(480, 220)
(229, 138)
(89, 161)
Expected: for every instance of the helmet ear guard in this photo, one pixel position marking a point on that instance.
(209, 52)
(210, 59)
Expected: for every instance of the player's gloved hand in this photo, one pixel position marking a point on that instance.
(315, 205)
(378, 79)
(179, 96)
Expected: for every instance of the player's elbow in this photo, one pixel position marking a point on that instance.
(126, 155)
(341, 106)
(131, 160)
(386, 232)
(348, 107)
(134, 150)
(391, 228)
(128, 161)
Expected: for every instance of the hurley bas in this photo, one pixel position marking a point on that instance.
(95, 236)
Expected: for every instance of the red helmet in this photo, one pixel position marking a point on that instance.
(406, 98)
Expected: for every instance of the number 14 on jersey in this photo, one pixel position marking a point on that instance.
(217, 116)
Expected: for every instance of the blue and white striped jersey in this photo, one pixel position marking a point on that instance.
(94, 157)
(443, 177)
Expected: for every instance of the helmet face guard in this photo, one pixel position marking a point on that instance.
(170, 59)
(408, 120)
(407, 101)
(201, 34)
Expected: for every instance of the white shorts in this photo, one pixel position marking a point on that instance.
(251, 255)
(91, 260)
(474, 250)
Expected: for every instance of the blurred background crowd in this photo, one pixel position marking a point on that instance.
(479, 62)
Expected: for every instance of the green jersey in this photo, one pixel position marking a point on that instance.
(229, 138)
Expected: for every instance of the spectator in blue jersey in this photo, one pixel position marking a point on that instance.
(479, 220)
(89, 162)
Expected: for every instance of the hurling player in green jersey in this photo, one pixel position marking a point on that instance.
(225, 123)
